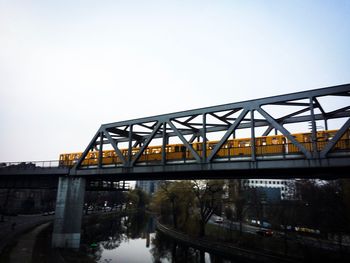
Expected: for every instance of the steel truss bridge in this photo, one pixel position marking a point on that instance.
(130, 140)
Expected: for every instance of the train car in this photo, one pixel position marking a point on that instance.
(233, 148)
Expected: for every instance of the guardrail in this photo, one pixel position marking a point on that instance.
(30, 164)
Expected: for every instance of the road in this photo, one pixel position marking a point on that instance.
(293, 237)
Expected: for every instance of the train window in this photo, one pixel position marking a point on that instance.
(211, 146)
(156, 150)
(274, 140)
(243, 143)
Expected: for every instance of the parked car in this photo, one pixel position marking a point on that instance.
(219, 220)
(265, 232)
(48, 213)
(265, 224)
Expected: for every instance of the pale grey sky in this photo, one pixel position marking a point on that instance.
(66, 67)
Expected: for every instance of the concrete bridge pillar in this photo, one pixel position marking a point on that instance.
(69, 211)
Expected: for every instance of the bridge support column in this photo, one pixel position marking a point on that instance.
(69, 211)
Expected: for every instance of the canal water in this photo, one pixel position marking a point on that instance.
(133, 238)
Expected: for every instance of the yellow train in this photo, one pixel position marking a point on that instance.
(264, 146)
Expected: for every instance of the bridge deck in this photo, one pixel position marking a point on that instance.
(293, 166)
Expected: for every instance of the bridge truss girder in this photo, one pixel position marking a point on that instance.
(225, 120)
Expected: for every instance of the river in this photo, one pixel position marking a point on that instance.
(133, 238)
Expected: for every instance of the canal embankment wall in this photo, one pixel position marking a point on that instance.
(223, 249)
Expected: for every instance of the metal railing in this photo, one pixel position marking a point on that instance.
(30, 165)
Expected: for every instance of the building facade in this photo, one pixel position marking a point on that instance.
(286, 187)
(150, 187)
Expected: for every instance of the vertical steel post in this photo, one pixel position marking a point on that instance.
(100, 151)
(130, 146)
(204, 136)
(313, 125)
(252, 137)
(164, 144)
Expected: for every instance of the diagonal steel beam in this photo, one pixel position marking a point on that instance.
(227, 134)
(341, 110)
(124, 133)
(281, 119)
(146, 143)
(230, 113)
(185, 142)
(115, 147)
(148, 127)
(267, 131)
(194, 136)
(318, 105)
(90, 146)
(335, 139)
(220, 118)
(190, 118)
(285, 132)
(187, 125)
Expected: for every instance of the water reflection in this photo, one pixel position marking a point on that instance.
(132, 238)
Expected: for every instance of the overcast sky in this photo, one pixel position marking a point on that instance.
(66, 67)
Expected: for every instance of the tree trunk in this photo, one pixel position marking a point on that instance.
(240, 228)
(201, 228)
(201, 256)
(174, 215)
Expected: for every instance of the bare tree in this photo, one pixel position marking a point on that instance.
(209, 197)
